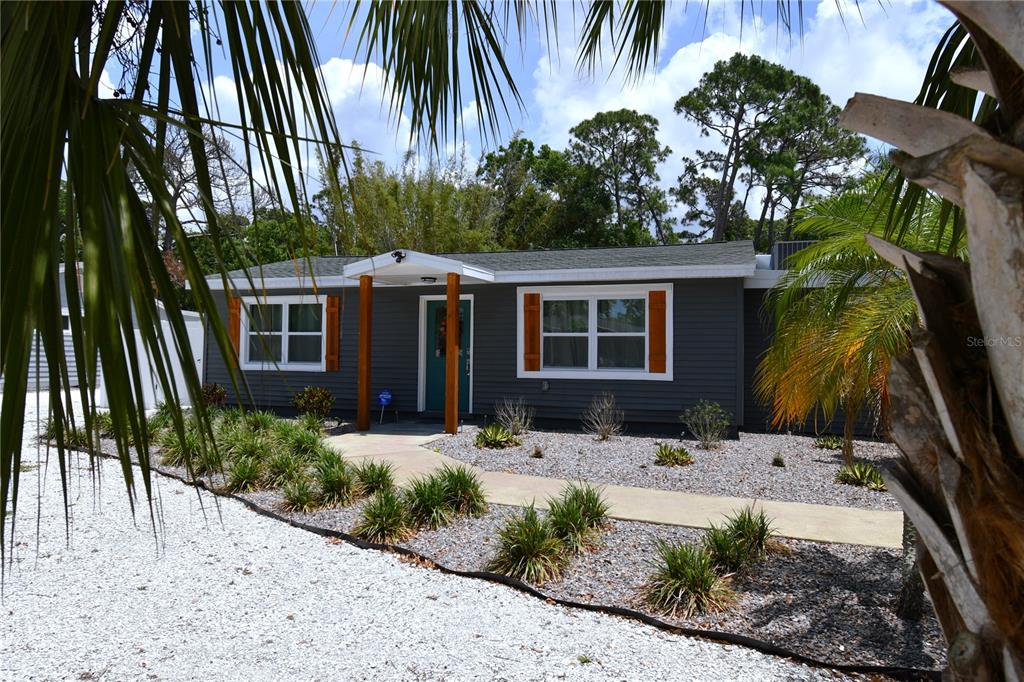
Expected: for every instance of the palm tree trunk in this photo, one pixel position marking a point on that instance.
(910, 605)
(848, 424)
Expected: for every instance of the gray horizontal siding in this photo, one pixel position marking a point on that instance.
(42, 371)
(706, 349)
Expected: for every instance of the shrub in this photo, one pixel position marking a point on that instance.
(861, 473)
(103, 423)
(684, 582)
(244, 475)
(231, 416)
(281, 467)
(528, 549)
(161, 417)
(190, 452)
(667, 455)
(778, 461)
(181, 451)
(375, 476)
(214, 395)
(338, 485)
(260, 422)
(304, 444)
(154, 426)
(495, 436)
(740, 541)
(314, 400)
(76, 437)
(463, 490)
(753, 530)
(299, 495)
(829, 442)
(514, 415)
(427, 502)
(312, 423)
(210, 459)
(384, 518)
(603, 419)
(728, 553)
(708, 422)
(568, 522)
(242, 443)
(595, 508)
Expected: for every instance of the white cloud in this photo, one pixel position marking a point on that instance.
(886, 55)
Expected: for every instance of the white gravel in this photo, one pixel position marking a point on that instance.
(235, 596)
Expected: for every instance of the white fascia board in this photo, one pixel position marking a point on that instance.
(763, 279)
(431, 263)
(515, 276)
(261, 283)
(623, 274)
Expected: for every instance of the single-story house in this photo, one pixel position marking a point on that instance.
(660, 327)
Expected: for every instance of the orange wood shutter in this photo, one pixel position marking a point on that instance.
(234, 321)
(531, 332)
(656, 332)
(332, 343)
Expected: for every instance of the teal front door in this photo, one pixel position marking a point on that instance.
(435, 339)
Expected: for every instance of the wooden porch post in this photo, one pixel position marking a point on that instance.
(451, 357)
(365, 333)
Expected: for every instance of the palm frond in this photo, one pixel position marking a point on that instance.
(108, 153)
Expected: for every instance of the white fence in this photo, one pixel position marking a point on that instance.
(152, 393)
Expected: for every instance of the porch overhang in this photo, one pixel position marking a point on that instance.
(403, 267)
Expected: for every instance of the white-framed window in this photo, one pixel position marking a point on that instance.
(595, 332)
(283, 331)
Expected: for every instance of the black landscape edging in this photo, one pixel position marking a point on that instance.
(895, 672)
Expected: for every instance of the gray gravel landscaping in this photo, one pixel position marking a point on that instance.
(228, 594)
(741, 468)
(830, 602)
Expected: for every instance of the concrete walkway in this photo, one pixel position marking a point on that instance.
(403, 446)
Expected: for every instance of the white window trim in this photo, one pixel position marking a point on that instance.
(601, 291)
(285, 301)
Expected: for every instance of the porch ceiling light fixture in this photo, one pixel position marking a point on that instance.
(428, 279)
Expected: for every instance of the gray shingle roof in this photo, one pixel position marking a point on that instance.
(718, 253)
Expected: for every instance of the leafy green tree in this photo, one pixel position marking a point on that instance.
(433, 209)
(736, 101)
(623, 149)
(582, 213)
(523, 206)
(696, 191)
(777, 125)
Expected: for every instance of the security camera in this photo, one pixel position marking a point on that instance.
(398, 256)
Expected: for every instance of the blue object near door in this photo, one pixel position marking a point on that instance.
(435, 340)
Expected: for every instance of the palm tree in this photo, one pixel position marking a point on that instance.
(842, 313)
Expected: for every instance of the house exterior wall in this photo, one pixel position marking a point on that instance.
(708, 350)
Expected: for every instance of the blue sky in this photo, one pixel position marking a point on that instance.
(886, 54)
(880, 47)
